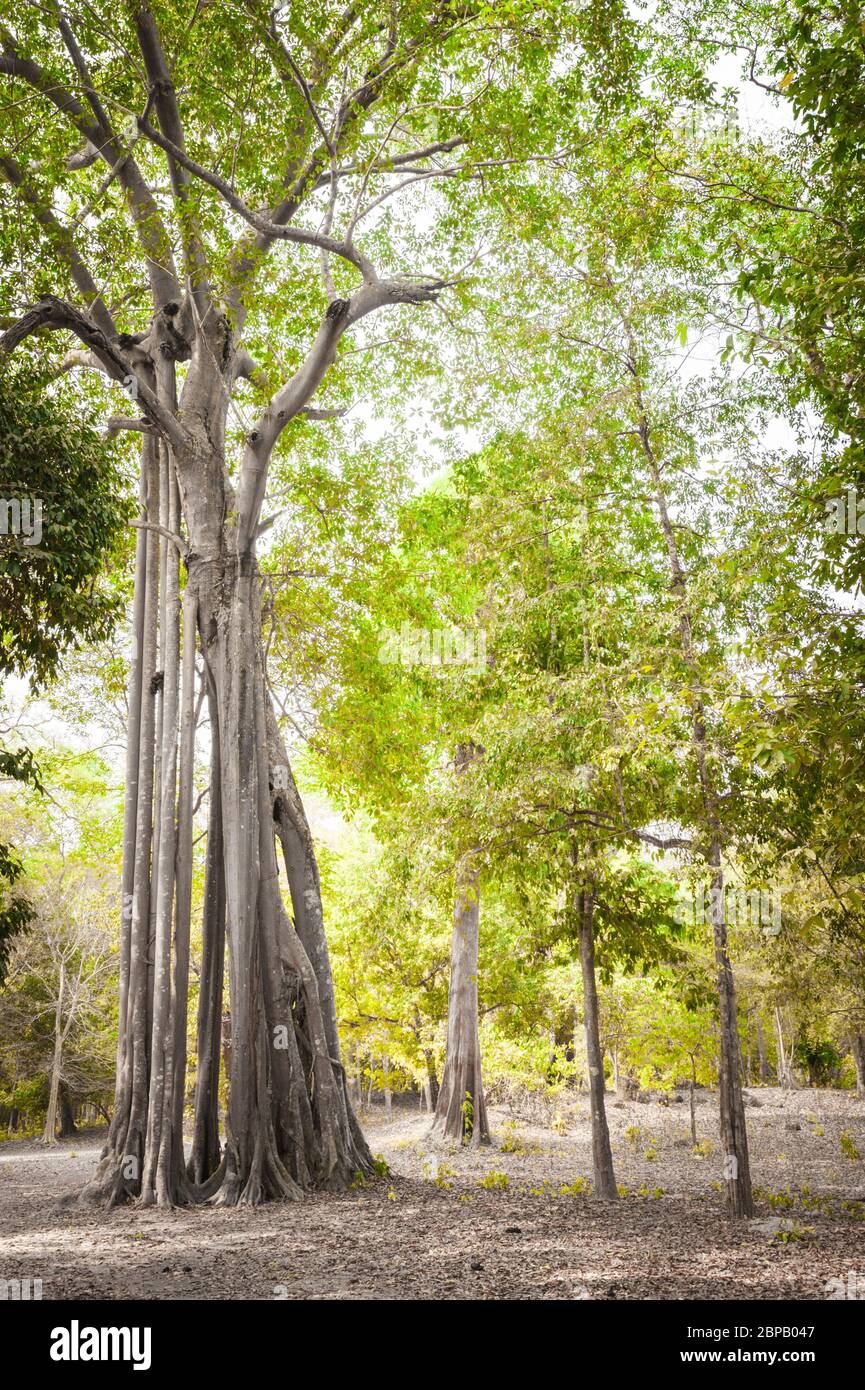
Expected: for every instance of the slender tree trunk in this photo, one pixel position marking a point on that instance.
(460, 1112)
(48, 1134)
(692, 1105)
(68, 1127)
(118, 1176)
(765, 1074)
(388, 1098)
(166, 658)
(162, 918)
(785, 1070)
(858, 1048)
(734, 1137)
(133, 754)
(171, 1171)
(205, 1157)
(604, 1178)
(432, 1083)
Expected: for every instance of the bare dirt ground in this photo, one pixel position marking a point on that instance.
(432, 1230)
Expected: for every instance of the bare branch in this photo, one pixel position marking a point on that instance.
(165, 100)
(126, 422)
(310, 412)
(83, 158)
(246, 367)
(264, 225)
(293, 397)
(350, 116)
(172, 536)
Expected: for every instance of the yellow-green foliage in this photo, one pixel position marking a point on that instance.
(779, 1200)
(439, 1174)
(788, 1234)
(514, 1143)
(848, 1146)
(494, 1181)
(580, 1187)
(379, 1170)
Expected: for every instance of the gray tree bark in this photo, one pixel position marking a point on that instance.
(460, 1112)
(604, 1178)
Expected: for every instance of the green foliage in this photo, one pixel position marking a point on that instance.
(848, 1147)
(16, 912)
(580, 1187)
(53, 594)
(822, 1059)
(791, 1233)
(494, 1181)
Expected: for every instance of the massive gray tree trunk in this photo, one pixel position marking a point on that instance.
(289, 1123)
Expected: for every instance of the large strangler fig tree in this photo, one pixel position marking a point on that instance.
(185, 172)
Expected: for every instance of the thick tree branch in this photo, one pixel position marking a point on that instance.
(55, 313)
(165, 101)
(126, 422)
(294, 396)
(352, 112)
(139, 198)
(64, 243)
(274, 231)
